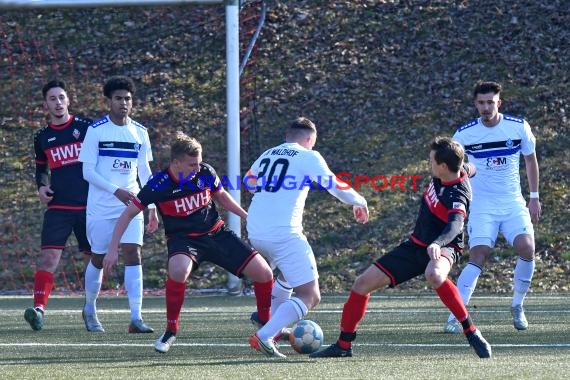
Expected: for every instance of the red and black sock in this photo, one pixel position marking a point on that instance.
(451, 298)
(174, 300)
(352, 313)
(262, 292)
(43, 283)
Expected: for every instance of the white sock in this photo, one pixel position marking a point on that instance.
(522, 279)
(289, 312)
(281, 292)
(93, 280)
(466, 283)
(134, 287)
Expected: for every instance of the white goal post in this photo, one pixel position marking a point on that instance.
(232, 69)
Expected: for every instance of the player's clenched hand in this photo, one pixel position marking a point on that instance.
(46, 194)
(434, 251)
(360, 214)
(110, 259)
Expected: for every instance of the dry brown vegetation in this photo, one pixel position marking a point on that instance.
(380, 79)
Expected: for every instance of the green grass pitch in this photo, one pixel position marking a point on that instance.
(399, 338)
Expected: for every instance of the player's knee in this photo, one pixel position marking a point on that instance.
(316, 299)
(479, 254)
(179, 274)
(524, 246)
(131, 254)
(49, 260)
(97, 260)
(435, 278)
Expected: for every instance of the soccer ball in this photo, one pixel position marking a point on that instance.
(306, 337)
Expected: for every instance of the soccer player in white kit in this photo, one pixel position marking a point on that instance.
(116, 151)
(280, 179)
(494, 142)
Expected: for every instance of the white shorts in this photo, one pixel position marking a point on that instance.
(483, 228)
(293, 257)
(100, 232)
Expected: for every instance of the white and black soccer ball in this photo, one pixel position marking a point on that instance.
(306, 337)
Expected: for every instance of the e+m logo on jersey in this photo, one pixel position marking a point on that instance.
(493, 162)
(122, 164)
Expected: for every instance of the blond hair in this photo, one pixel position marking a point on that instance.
(184, 145)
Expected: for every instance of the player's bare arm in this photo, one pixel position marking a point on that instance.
(112, 256)
(124, 196)
(224, 199)
(153, 221)
(532, 174)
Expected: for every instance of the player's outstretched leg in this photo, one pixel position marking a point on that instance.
(282, 335)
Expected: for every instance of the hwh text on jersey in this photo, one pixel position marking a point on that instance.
(186, 205)
(62, 155)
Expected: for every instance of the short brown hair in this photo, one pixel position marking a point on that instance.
(301, 126)
(53, 84)
(449, 152)
(184, 145)
(483, 87)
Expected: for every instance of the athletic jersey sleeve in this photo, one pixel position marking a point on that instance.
(528, 141)
(146, 150)
(90, 147)
(41, 175)
(458, 137)
(457, 205)
(321, 174)
(210, 178)
(145, 174)
(454, 227)
(94, 178)
(147, 196)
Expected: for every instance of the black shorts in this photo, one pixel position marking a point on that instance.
(221, 247)
(409, 260)
(58, 225)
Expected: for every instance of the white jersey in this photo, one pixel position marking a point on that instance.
(495, 152)
(284, 176)
(117, 152)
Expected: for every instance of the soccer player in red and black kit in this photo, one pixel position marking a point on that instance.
(61, 187)
(184, 194)
(433, 247)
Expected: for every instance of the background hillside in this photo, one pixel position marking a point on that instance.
(379, 78)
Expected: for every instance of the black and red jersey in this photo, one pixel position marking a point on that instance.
(56, 154)
(185, 204)
(439, 201)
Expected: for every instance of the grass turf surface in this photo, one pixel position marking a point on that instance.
(400, 337)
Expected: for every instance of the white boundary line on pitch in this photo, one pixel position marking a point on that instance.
(218, 310)
(180, 344)
(190, 311)
(382, 295)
